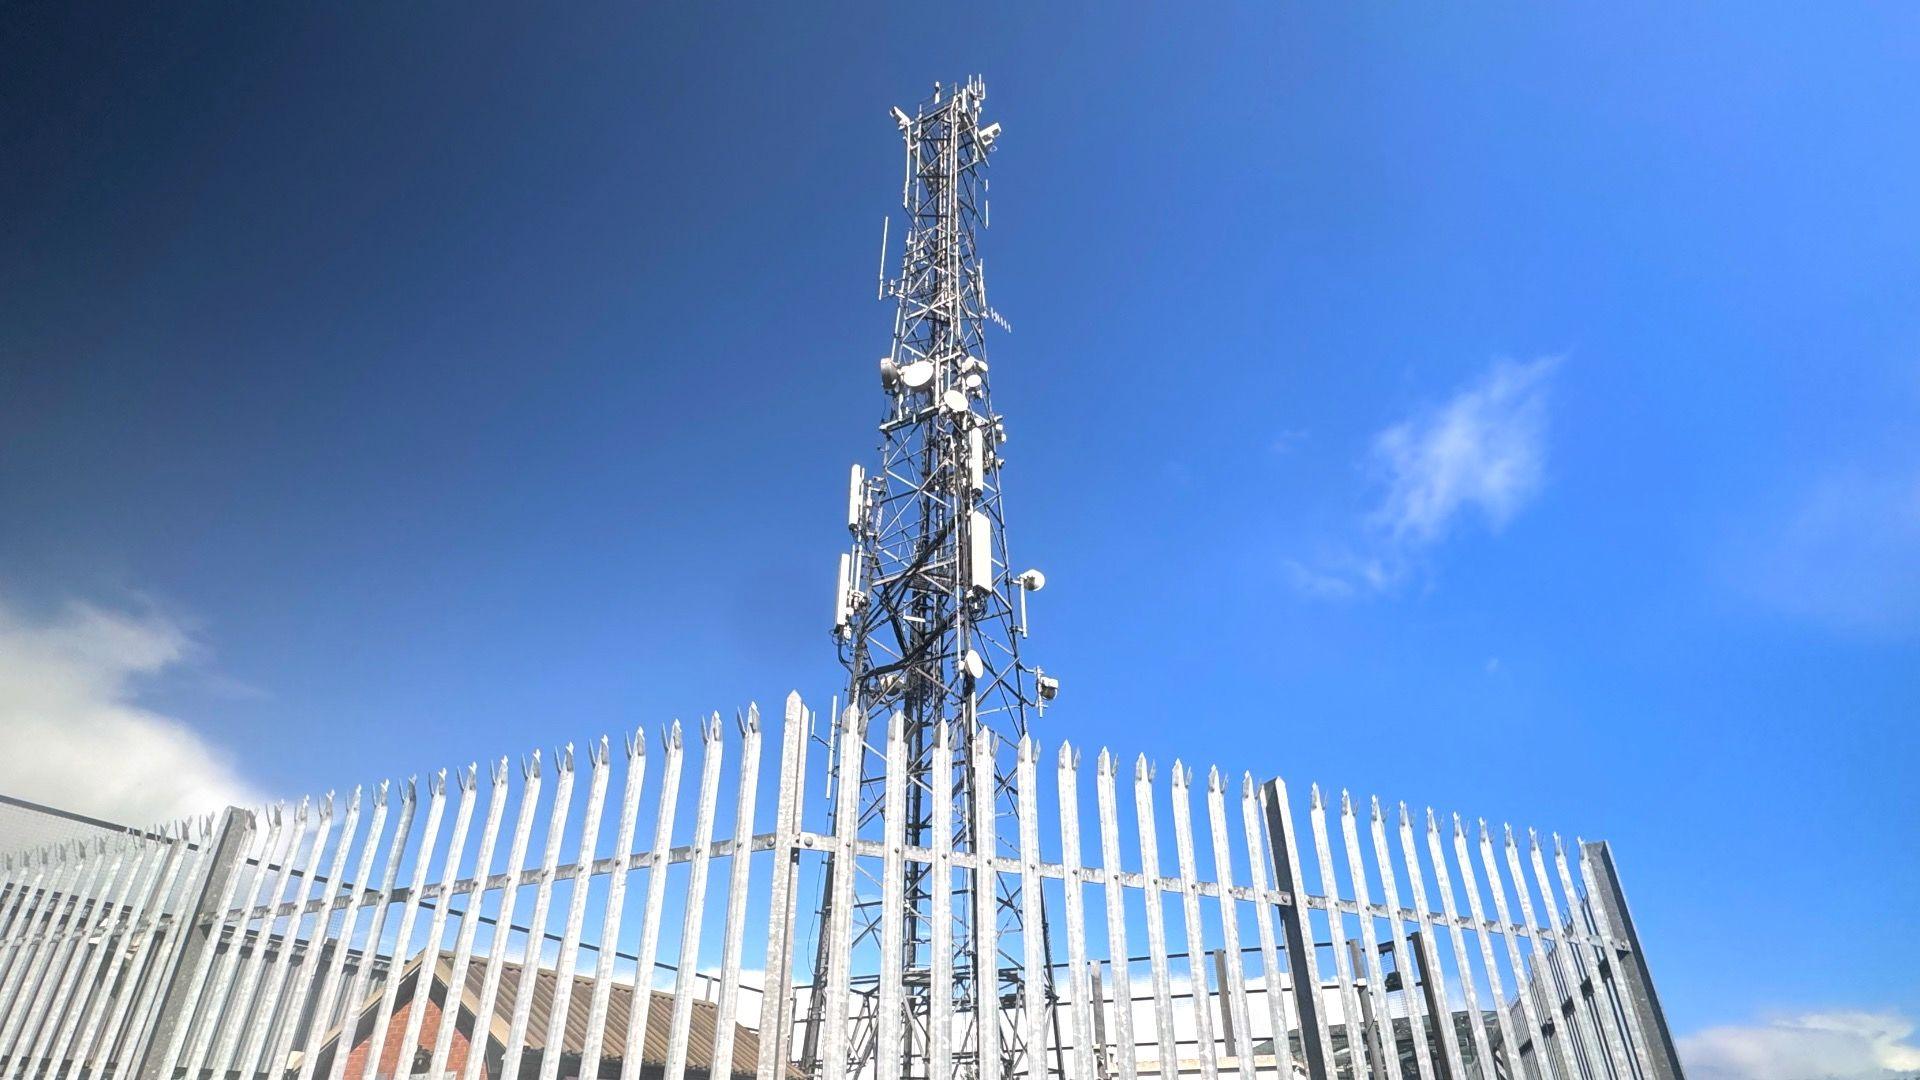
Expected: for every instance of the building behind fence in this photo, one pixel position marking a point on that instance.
(1201, 925)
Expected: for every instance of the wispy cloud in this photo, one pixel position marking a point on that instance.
(1484, 450)
(1846, 554)
(1813, 1046)
(1479, 455)
(77, 737)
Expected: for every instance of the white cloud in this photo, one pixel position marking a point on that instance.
(1814, 1046)
(1485, 450)
(1327, 584)
(75, 734)
(1481, 453)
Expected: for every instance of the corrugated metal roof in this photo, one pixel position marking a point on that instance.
(546, 982)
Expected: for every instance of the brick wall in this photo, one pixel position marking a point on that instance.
(395, 1063)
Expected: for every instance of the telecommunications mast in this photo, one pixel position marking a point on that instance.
(929, 613)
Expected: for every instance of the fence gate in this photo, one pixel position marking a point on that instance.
(630, 917)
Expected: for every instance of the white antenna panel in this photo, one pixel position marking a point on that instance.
(843, 595)
(856, 499)
(976, 459)
(980, 551)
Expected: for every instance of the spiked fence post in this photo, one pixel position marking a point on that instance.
(197, 933)
(1630, 969)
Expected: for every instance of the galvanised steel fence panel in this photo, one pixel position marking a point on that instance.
(1233, 938)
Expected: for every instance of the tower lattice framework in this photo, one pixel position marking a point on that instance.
(929, 612)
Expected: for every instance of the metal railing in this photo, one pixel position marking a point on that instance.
(295, 942)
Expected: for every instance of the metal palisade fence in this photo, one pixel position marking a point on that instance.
(511, 924)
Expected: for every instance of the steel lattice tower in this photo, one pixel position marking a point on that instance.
(929, 613)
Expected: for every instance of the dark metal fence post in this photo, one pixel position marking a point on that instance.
(1630, 969)
(1226, 1013)
(193, 936)
(1299, 934)
(1425, 968)
(1369, 1021)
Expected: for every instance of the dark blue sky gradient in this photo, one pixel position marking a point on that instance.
(490, 380)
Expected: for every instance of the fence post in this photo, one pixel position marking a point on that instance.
(1423, 966)
(1299, 933)
(1220, 975)
(1369, 1019)
(194, 937)
(1097, 994)
(1630, 970)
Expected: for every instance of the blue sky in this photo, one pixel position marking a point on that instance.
(1509, 410)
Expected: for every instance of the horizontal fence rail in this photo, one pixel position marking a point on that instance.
(635, 915)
